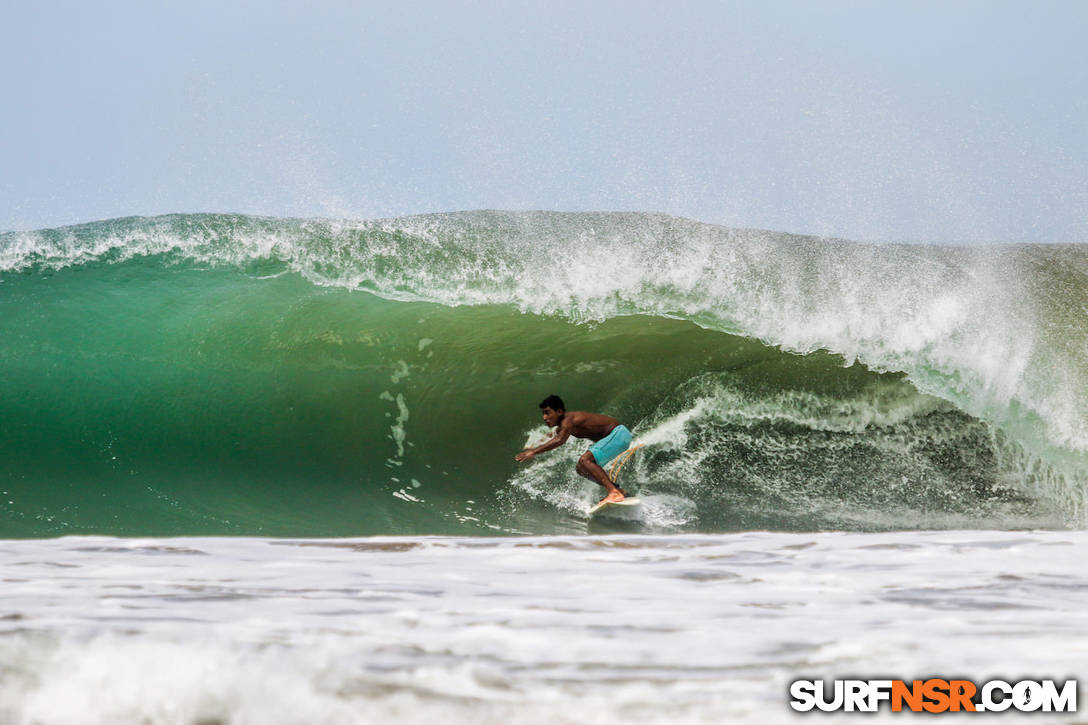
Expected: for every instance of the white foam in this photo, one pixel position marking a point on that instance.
(687, 629)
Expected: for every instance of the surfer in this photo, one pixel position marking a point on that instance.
(610, 438)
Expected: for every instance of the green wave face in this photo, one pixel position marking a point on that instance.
(210, 374)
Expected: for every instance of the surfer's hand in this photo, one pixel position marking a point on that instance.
(524, 455)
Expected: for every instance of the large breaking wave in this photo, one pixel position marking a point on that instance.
(231, 374)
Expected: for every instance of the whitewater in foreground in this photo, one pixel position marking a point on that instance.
(663, 629)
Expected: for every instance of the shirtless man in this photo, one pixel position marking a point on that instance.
(609, 436)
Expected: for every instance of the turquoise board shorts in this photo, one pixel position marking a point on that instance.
(611, 445)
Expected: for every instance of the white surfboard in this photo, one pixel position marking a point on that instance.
(629, 501)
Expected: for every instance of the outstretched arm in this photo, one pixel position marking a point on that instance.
(555, 441)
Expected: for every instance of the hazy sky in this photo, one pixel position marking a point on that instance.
(922, 121)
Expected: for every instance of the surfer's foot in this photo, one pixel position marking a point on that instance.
(613, 497)
(622, 491)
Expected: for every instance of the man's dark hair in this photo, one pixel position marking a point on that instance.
(554, 402)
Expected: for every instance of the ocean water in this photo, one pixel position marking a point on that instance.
(259, 469)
